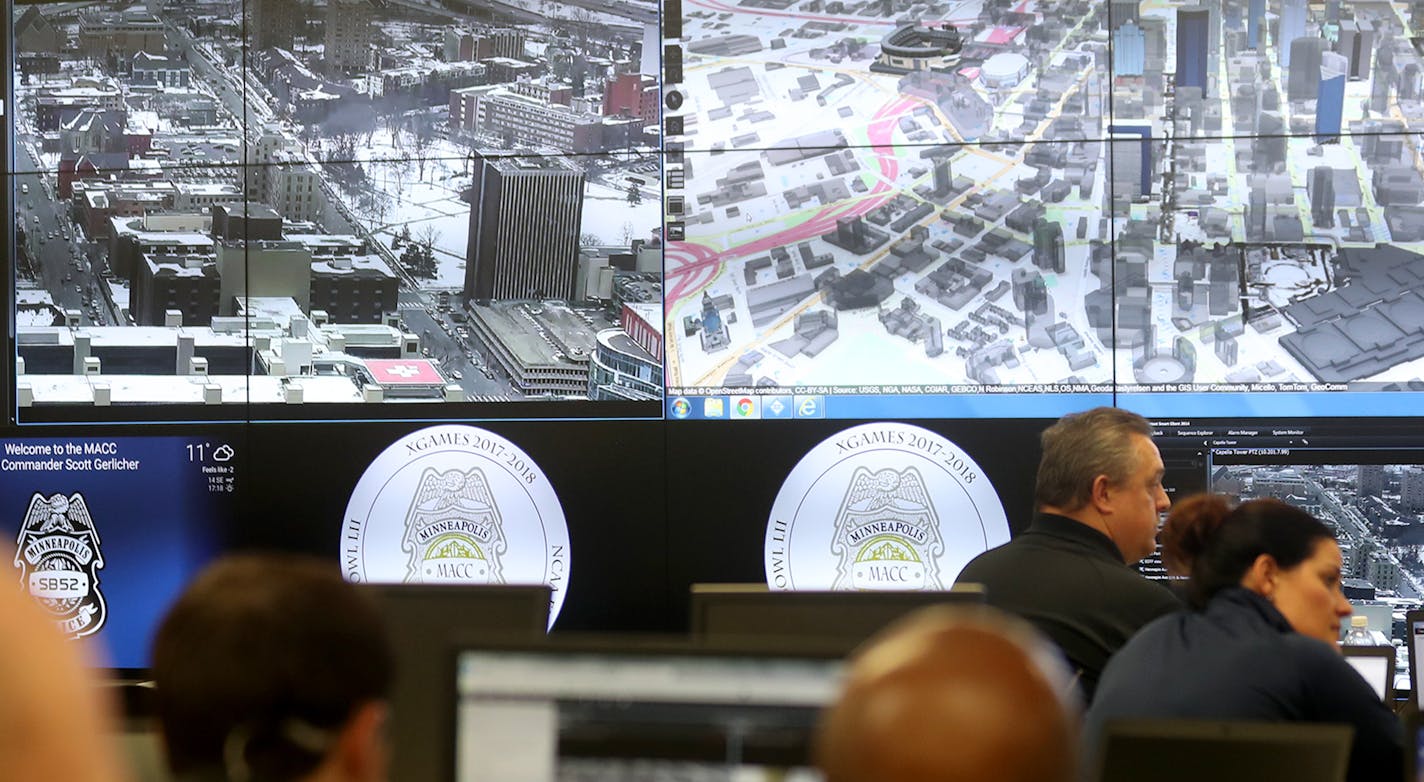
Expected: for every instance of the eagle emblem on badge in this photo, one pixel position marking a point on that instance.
(453, 530)
(887, 533)
(59, 561)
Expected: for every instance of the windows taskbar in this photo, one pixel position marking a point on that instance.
(774, 404)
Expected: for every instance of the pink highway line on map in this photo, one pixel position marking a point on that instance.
(690, 266)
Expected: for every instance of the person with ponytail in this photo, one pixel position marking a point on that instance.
(1259, 643)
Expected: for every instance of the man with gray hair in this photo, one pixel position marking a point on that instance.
(1099, 495)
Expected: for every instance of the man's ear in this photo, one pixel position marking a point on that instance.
(362, 751)
(1100, 497)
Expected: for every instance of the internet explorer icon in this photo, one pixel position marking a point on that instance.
(810, 407)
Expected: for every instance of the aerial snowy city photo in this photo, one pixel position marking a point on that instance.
(1377, 514)
(290, 202)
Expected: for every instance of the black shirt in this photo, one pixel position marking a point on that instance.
(1069, 580)
(1240, 660)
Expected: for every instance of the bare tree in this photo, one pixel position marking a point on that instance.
(422, 134)
(428, 235)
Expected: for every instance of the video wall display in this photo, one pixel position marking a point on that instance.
(592, 228)
(278, 209)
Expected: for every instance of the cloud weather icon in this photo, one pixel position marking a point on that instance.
(223, 453)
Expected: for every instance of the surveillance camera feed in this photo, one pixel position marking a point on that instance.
(281, 202)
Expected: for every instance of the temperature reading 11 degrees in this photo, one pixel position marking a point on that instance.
(202, 452)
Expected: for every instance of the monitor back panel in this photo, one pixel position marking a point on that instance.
(425, 621)
(845, 617)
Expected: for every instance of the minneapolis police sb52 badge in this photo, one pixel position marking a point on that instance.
(884, 506)
(456, 504)
(59, 561)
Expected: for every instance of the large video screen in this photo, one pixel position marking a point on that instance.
(1199, 210)
(104, 532)
(291, 210)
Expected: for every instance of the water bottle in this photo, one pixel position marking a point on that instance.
(1359, 634)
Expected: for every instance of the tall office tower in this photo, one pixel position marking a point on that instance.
(1256, 214)
(1322, 196)
(1409, 82)
(850, 231)
(1213, 36)
(1120, 12)
(1292, 26)
(271, 23)
(1048, 246)
(1363, 51)
(1129, 50)
(525, 215)
(1356, 42)
(943, 175)
(1255, 16)
(1330, 106)
(1303, 76)
(1230, 14)
(1131, 166)
(348, 35)
(1030, 291)
(1369, 480)
(650, 57)
(1383, 77)
(1193, 46)
(1411, 489)
(1268, 148)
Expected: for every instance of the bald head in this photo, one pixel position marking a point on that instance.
(949, 695)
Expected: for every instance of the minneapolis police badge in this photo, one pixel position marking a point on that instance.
(59, 561)
(883, 506)
(453, 529)
(887, 533)
(456, 505)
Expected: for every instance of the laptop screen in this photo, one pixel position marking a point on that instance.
(1376, 668)
(545, 715)
(1416, 658)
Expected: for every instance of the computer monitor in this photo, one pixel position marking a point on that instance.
(105, 532)
(1376, 665)
(1193, 750)
(424, 621)
(733, 610)
(1413, 763)
(625, 710)
(1413, 635)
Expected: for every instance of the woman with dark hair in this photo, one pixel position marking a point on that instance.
(1264, 582)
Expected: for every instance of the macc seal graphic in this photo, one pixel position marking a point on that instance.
(59, 561)
(456, 504)
(884, 506)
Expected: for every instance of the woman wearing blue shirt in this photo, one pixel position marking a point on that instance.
(1259, 644)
